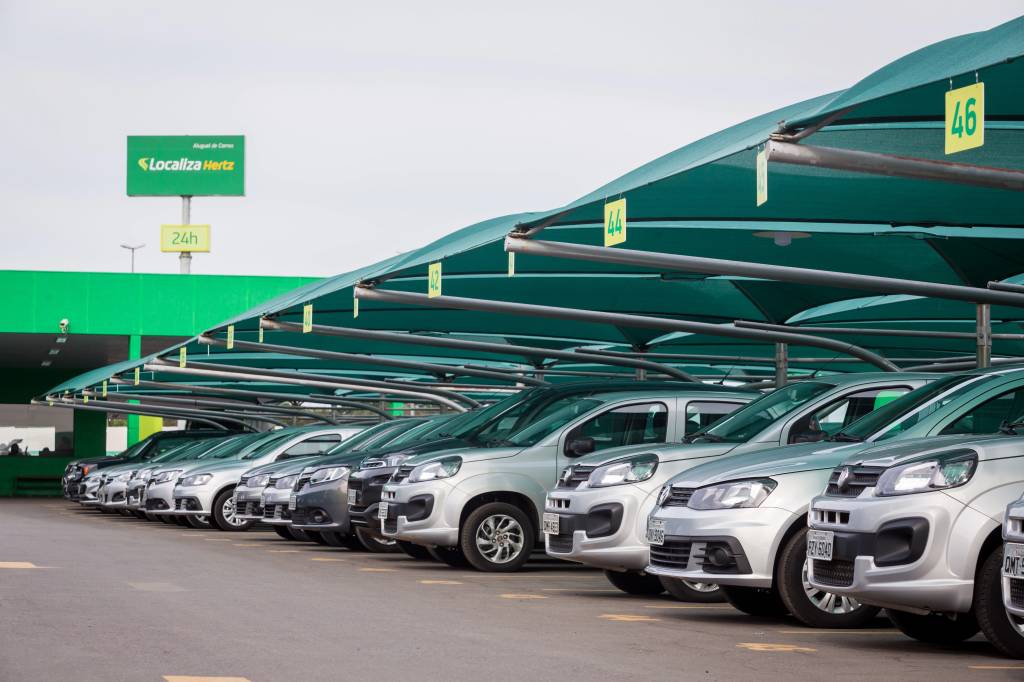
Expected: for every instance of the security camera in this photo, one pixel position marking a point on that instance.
(64, 326)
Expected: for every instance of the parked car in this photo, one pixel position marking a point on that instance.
(627, 484)
(208, 487)
(916, 528)
(482, 505)
(742, 519)
(112, 494)
(140, 476)
(1012, 582)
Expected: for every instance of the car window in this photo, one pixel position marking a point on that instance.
(756, 416)
(990, 415)
(702, 414)
(627, 425)
(317, 445)
(557, 415)
(832, 418)
(165, 444)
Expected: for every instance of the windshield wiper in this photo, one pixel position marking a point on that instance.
(709, 437)
(846, 438)
(1010, 428)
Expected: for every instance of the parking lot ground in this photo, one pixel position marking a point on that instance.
(88, 596)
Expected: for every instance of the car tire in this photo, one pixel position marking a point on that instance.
(1004, 631)
(413, 550)
(223, 513)
(450, 556)
(315, 536)
(635, 582)
(497, 537)
(284, 532)
(812, 607)
(933, 628)
(332, 538)
(375, 543)
(141, 515)
(755, 601)
(297, 535)
(200, 522)
(168, 519)
(181, 521)
(687, 590)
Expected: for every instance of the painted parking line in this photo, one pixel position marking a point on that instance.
(439, 582)
(17, 564)
(156, 587)
(326, 558)
(995, 667)
(810, 631)
(377, 570)
(247, 544)
(218, 539)
(779, 648)
(627, 618)
(718, 607)
(283, 551)
(580, 589)
(202, 678)
(524, 597)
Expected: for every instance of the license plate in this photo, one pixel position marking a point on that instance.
(819, 544)
(382, 510)
(291, 502)
(655, 532)
(353, 497)
(551, 524)
(1013, 560)
(263, 499)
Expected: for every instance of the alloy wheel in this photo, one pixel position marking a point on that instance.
(228, 511)
(500, 538)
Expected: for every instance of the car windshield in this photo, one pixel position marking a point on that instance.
(233, 446)
(553, 417)
(468, 424)
(908, 404)
(936, 401)
(424, 431)
(756, 416)
(263, 447)
(369, 435)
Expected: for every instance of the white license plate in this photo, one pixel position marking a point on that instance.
(263, 499)
(551, 524)
(655, 532)
(291, 502)
(353, 497)
(819, 544)
(1013, 560)
(382, 510)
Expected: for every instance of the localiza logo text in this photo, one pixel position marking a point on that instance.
(184, 164)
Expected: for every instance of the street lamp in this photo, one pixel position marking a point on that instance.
(133, 249)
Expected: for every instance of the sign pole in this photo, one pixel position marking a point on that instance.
(185, 258)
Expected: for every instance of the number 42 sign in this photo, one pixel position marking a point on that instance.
(965, 118)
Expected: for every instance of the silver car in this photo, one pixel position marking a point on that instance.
(483, 505)
(915, 528)
(1012, 580)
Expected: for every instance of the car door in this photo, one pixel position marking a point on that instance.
(988, 416)
(823, 421)
(699, 414)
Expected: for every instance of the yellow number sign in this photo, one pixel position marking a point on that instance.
(762, 177)
(307, 318)
(182, 357)
(355, 307)
(615, 222)
(231, 336)
(434, 280)
(965, 118)
(179, 238)
(136, 376)
(104, 392)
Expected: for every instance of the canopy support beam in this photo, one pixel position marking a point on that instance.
(891, 165)
(622, 320)
(908, 333)
(781, 364)
(479, 346)
(780, 273)
(984, 329)
(154, 411)
(205, 403)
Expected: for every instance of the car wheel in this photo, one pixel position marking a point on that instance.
(811, 606)
(181, 521)
(450, 556)
(315, 536)
(141, 515)
(1004, 630)
(299, 535)
(933, 628)
(497, 537)
(200, 521)
(284, 531)
(755, 601)
(169, 520)
(635, 582)
(413, 550)
(691, 591)
(333, 538)
(223, 516)
(376, 543)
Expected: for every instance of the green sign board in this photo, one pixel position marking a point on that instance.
(186, 165)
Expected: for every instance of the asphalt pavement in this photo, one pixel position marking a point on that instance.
(87, 596)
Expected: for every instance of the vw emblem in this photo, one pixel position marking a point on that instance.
(844, 477)
(663, 495)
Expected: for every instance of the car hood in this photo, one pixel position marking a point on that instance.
(666, 452)
(776, 461)
(989, 447)
(467, 455)
(220, 466)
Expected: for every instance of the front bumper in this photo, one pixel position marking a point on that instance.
(248, 503)
(113, 495)
(600, 526)
(1013, 588)
(419, 513)
(87, 491)
(367, 484)
(133, 495)
(158, 498)
(914, 552)
(275, 506)
(193, 499)
(322, 507)
(724, 546)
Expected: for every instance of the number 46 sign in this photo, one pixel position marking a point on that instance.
(965, 118)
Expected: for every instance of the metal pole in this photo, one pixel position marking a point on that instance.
(752, 359)
(984, 323)
(894, 166)
(1006, 286)
(962, 364)
(235, 405)
(623, 320)
(91, 407)
(781, 365)
(185, 257)
(156, 411)
(481, 346)
(922, 333)
(781, 273)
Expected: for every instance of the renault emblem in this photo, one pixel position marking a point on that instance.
(843, 479)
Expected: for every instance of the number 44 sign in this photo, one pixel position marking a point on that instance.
(965, 118)
(615, 222)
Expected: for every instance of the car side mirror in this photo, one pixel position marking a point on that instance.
(577, 447)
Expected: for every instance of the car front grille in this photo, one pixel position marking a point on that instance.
(402, 474)
(249, 509)
(835, 573)
(679, 497)
(560, 543)
(578, 474)
(1017, 592)
(301, 482)
(858, 478)
(672, 554)
(179, 503)
(272, 511)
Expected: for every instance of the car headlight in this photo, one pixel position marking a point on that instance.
(259, 481)
(632, 470)
(286, 482)
(197, 479)
(732, 495)
(384, 462)
(326, 475)
(165, 476)
(145, 474)
(936, 473)
(442, 468)
(124, 477)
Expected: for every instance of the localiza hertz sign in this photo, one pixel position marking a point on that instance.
(186, 165)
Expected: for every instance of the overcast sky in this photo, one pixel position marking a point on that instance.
(373, 128)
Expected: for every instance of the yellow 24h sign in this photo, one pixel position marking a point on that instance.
(179, 238)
